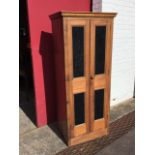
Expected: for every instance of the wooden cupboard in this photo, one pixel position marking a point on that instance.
(83, 51)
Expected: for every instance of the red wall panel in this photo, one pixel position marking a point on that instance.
(41, 48)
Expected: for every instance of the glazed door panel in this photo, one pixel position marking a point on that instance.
(99, 74)
(78, 75)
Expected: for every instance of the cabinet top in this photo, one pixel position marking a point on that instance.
(84, 14)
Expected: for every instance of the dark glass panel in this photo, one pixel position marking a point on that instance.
(100, 41)
(99, 103)
(79, 108)
(78, 51)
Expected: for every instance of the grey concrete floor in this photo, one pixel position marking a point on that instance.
(46, 140)
(38, 141)
(42, 141)
(121, 109)
(26, 125)
(122, 146)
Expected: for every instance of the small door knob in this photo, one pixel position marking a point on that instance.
(91, 77)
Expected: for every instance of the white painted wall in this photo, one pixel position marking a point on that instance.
(123, 61)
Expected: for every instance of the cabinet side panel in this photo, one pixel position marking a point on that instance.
(57, 25)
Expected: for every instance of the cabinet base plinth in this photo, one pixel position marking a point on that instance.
(87, 137)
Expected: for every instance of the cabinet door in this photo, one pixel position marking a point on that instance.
(100, 60)
(77, 74)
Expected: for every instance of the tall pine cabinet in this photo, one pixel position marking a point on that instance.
(82, 54)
